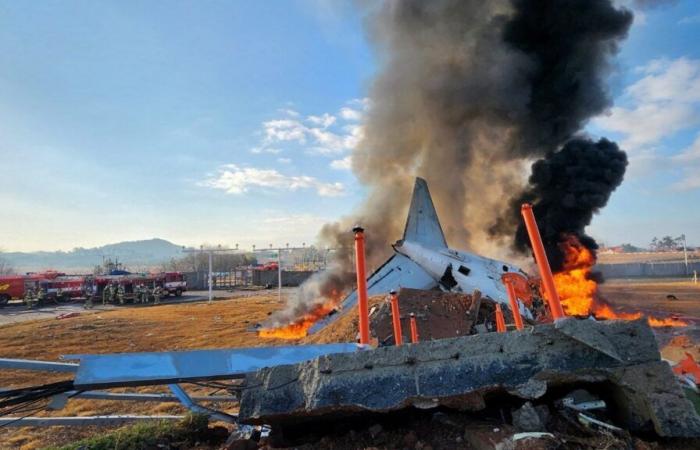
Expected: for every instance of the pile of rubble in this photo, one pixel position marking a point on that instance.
(439, 315)
(575, 384)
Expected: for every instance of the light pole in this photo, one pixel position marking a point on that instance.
(210, 251)
(279, 265)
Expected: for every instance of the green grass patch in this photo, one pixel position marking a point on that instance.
(185, 434)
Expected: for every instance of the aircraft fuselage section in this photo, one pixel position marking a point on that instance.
(460, 271)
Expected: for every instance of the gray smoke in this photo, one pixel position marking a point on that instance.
(467, 94)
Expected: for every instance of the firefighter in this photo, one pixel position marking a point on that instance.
(29, 297)
(106, 293)
(139, 293)
(121, 292)
(157, 293)
(146, 294)
(89, 294)
(59, 296)
(40, 295)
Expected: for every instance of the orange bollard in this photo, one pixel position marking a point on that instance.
(500, 321)
(362, 308)
(542, 261)
(396, 318)
(513, 299)
(414, 329)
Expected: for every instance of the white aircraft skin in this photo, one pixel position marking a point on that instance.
(483, 274)
(422, 260)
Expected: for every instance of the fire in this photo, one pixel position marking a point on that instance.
(578, 291)
(300, 327)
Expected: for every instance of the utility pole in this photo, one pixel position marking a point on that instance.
(685, 253)
(210, 251)
(279, 264)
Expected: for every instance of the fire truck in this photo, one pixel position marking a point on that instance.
(59, 287)
(11, 287)
(174, 283)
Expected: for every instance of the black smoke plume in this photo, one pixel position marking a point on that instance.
(467, 94)
(566, 188)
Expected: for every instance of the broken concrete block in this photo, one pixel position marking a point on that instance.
(527, 418)
(619, 356)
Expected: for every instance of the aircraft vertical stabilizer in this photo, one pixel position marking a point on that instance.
(423, 225)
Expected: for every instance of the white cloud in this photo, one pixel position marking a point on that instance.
(664, 101)
(318, 133)
(342, 164)
(325, 120)
(647, 123)
(688, 163)
(284, 130)
(669, 80)
(284, 160)
(239, 180)
(350, 114)
(271, 151)
(289, 112)
(690, 20)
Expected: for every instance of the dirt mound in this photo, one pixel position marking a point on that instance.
(439, 315)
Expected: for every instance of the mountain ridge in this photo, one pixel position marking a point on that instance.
(133, 254)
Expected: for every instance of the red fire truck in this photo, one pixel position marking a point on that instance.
(61, 287)
(174, 283)
(11, 287)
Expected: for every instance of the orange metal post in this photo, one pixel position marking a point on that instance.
(513, 299)
(414, 329)
(542, 261)
(396, 318)
(362, 308)
(500, 320)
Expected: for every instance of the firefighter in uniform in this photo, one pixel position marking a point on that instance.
(29, 297)
(89, 294)
(121, 292)
(146, 294)
(106, 293)
(139, 293)
(157, 293)
(40, 295)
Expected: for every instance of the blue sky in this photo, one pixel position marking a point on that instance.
(233, 122)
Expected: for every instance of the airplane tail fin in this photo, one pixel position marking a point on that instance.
(423, 225)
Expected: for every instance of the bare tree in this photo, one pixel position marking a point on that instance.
(5, 267)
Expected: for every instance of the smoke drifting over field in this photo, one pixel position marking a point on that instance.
(468, 94)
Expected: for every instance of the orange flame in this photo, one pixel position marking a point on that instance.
(299, 328)
(578, 291)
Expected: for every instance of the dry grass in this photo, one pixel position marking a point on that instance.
(619, 258)
(651, 295)
(201, 325)
(155, 328)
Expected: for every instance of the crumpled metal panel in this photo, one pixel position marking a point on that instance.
(130, 369)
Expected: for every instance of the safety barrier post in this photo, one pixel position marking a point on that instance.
(396, 318)
(542, 261)
(362, 307)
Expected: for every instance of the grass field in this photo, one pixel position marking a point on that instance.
(221, 324)
(154, 328)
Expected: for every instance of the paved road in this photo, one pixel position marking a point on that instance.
(18, 312)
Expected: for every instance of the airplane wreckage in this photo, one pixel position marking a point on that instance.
(286, 387)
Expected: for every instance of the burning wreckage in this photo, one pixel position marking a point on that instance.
(605, 377)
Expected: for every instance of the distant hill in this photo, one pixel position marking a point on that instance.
(135, 255)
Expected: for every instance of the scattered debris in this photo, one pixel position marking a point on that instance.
(618, 358)
(530, 418)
